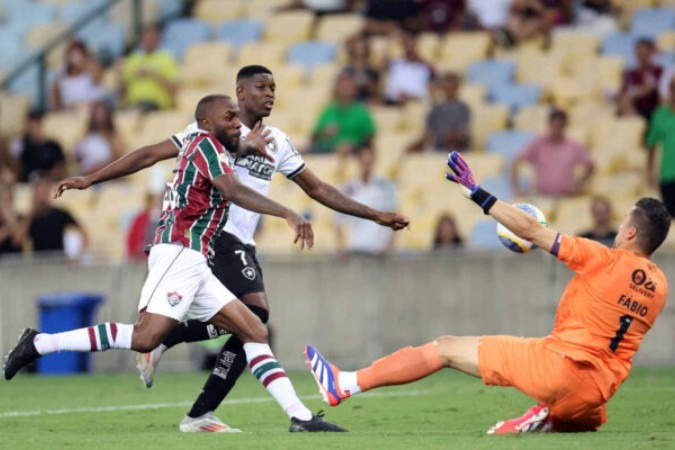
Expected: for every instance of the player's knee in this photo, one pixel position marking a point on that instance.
(262, 313)
(144, 340)
(260, 333)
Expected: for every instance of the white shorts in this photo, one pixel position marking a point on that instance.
(180, 282)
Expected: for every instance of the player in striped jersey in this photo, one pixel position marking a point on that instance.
(234, 261)
(179, 280)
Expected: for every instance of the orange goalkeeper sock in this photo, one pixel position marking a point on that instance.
(401, 367)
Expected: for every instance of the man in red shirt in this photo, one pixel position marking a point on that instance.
(639, 91)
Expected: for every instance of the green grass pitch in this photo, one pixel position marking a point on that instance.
(447, 410)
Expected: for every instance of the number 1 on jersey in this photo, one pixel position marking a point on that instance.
(624, 322)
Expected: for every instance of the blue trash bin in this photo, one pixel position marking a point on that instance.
(63, 312)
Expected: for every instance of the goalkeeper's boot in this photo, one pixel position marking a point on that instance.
(314, 425)
(23, 354)
(207, 423)
(146, 363)
(536, 420)
(326, 376)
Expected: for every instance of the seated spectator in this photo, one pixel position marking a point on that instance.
(388, 16)
(528, 20)
(35, 154)
(442, 16)
(9, 221)
(47, 227)
(359, 67)
(408, 77)
(78, 83)
(102, 144)
(639, 94)
(595, 17)
(662, 133)
(142, 230)
(603, 231)
(150, 76)
(446, 236)
(345, 124)
(448, 125)
(490, 14)
(357, 236)
(555, 159)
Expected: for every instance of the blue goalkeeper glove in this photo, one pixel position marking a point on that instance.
(462, 175)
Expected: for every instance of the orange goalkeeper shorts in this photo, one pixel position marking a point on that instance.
(548, 377)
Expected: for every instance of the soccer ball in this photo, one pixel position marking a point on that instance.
(513, 242)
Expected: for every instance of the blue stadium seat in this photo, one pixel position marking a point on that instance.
(170, 9)
(621, 44)
(491, 73)
(107, 39)
(515, 95)
(665, 59)
(240, 32)
(484, 235)
(26, 83)
(72, 12)
(652, 22)
(313, 53)
(11, 48)
(179, 34)
(508, 143)
(500, 186)
(22, 16)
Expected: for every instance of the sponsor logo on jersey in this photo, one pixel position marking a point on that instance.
(641, 284)
(257, 166)
(173, 298)
(249, 273)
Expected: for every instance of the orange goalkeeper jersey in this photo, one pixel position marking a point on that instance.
(606, 309)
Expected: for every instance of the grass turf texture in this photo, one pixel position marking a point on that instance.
(447, 410)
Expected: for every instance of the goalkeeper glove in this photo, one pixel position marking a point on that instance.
(464, 178)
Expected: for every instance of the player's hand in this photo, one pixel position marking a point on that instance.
(71, 183)
(461, 174)
(255, 142)
(392, 220)
(304, 235)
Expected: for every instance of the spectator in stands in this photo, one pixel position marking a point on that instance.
(442, 16)
(345, 124)
(323, 7)
(595, 17)
(359, 66)
(664, 82)
(102, 143)
(555, 159)
(78, 83)
(490, 14)
(528, 20)
(446, 235)
(51, 230)
(150, 76)
(9, 221)
(639, 94)
(448, 125)
(408, 77)
(142, 230)
(662, 132)
(357, 236)
(35, 154)
(388, 16)
(603, 231)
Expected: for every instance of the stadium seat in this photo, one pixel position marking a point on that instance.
(11, 47)
(428, 45)
(289, 76)
(262, 9)
(620, 44)
(160, 125)
(491, 73)
(484, 236)
(74, 11)
(67, 128)
(262, 53)
(337, 28)
(652, 22)
(218, 53)
(516, 95)
(13, 109)
(324, 74)
(123, 12)
(108, 40)
(41, 35)
(170, 9)
(487, 119)
(499, 185)
(539, 68)
(462, 50)
(569, 90)
(473, 94)
(532, 118)
(23, 14)
(239, 32)
(387, 118)
(311, 54)
(180, 34)
(214, 11)
(570, 42)
(289, 27)
(508, 143)
(666, 41)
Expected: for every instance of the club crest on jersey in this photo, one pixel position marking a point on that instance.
(249, 273)
(173, 298)
(272, 146)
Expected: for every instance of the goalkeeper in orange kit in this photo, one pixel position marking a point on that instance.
(603, 315)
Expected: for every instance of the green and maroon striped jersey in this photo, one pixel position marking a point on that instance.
(194, 210)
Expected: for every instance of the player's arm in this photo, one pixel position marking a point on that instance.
(128, 164)
(331, 197)
(245, 197)
(516, 220)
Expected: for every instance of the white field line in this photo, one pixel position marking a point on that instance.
(237, 401)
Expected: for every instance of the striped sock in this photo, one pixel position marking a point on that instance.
(269, 372)
(97, 338)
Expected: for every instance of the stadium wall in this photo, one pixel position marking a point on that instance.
(353, 312)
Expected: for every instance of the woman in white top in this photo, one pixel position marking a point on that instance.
(102, 144)
(78, 82)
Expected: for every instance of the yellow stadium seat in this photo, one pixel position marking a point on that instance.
(391, 148)
(569, 90)
(428, 46)
(307, 101)
(67, 128)
(262, 9)
(218, 53)
(573, 215)
(215, 11)
(41, 35)
(289, 27)
(262, 53)
(414, 115)
(539, 68)
(618, 132)
(473, 94)
(288, 76)
(338, 28)
(325, 75)
(586, 112)
(463, 49)
(331, 168)
(532, 118)
(123, 12)
(666, 40)
(625, 184)
(387, 118)
(628, 7)
(160, 125)
(201, 74)
(127, 123)
(13, 110)
(487, 119)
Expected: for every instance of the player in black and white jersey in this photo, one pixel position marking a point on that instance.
(234, 261)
